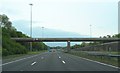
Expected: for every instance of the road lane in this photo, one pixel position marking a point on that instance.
(51, 62)
(75, 63)
(56, 61)
(21, 64)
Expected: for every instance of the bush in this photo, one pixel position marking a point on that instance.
(12, 47)
(5, 52)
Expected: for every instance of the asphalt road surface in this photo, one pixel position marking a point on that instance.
(55, 61)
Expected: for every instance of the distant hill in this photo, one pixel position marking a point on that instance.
(52, 33)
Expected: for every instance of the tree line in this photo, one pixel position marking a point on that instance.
(10, 47)
(84, 44)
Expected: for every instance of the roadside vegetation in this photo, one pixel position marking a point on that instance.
(97, 52)
(20, 56)
(10, 47)
(84, 44)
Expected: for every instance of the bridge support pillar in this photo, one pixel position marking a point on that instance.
(30, 46)
(68, 46)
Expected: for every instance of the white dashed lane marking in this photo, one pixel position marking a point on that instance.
(63, 62)
(59, 57)
(33, 63)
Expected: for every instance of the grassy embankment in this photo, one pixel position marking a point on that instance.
(19, 56)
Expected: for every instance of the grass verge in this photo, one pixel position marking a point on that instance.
(19, 56)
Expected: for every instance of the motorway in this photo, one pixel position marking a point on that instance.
(55, 61)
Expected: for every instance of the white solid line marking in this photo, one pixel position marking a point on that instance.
(63, 62)
(100, 63)
(19, 60)
(33, 63)
(59, 57)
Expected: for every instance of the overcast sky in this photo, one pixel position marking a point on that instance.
(73, 16)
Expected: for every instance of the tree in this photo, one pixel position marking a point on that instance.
(108, 36)
(4, 22)
(83, 44)
(11, 47)
(104, 37)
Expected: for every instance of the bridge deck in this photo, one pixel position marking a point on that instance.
(63, 39)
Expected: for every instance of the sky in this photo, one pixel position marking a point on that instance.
(63, 18)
